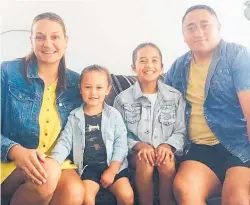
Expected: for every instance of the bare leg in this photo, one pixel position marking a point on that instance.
(91, 190)
(123, 191)
(236, 187)
(194, 182)
(143, 180)
(70, 190)
(24, 192)
(166, 177)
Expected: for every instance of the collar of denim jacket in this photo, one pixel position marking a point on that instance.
(32, 72)
(216, 54)
(79, 113)
(137, 92)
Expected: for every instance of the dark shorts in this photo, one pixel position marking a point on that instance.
(216, 157)
(94, 172)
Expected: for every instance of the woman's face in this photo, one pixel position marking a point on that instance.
(48, 41)
(148, 65)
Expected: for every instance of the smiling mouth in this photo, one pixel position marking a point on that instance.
(48, 52)
(202, 40)
(149, 72)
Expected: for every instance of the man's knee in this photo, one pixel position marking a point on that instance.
(180, 187)
(236, 197)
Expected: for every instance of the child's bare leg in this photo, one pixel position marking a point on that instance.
(91, 190)
(166, 176)
(143, 180)
(123, 191)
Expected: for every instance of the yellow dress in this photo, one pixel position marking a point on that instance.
(50, 126)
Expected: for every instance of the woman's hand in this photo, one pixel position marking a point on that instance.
(147, 153)
(29, 161)
(163, 154)
(107, 178)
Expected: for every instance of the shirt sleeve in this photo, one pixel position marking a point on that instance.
(241, 70)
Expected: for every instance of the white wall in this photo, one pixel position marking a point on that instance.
(106, 31)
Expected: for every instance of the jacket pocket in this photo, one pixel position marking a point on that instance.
(132, 113)
(20, 102)
(167, 115)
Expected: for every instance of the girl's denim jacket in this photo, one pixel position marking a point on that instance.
(168, 117)
(114, 134)
(21, 102)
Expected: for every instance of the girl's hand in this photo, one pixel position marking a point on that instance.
(29, 161)
(164, 153)
(107, 178)
(147, 153)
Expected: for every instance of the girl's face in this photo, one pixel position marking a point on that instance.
(148, 66)
(94, 87)
(48, 41)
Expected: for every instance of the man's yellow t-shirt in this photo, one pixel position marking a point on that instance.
(199, 131)
(50, 126)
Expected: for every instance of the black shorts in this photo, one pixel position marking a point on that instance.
(216, 157)
(94, 172)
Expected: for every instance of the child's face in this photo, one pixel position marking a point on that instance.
(148, 64)
(94, 88)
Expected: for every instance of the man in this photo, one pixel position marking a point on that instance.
(214, 78)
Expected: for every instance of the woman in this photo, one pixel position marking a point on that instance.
(38, 93)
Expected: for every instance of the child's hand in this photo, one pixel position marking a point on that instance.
(147, 153)
(107, 178)
(164, 153)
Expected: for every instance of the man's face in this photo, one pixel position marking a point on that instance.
(201, 31)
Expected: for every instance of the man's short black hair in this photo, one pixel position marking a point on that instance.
(198, 7)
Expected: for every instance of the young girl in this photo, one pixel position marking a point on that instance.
(97, 135)
(154, 116)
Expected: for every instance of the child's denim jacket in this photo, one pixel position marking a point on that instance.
(114, 135)
(168, 117)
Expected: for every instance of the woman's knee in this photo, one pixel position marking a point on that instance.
(47, 189)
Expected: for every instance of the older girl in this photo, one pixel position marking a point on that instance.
(154, 116)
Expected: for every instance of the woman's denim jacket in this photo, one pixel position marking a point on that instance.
(229, 73)
(114, 134)
(21, 103)
(168, 117)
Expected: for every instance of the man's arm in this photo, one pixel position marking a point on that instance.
(244, 98)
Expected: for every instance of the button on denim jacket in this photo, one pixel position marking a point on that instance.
(168, 117)
(229, 73)
(21, 103)
(114, 134)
